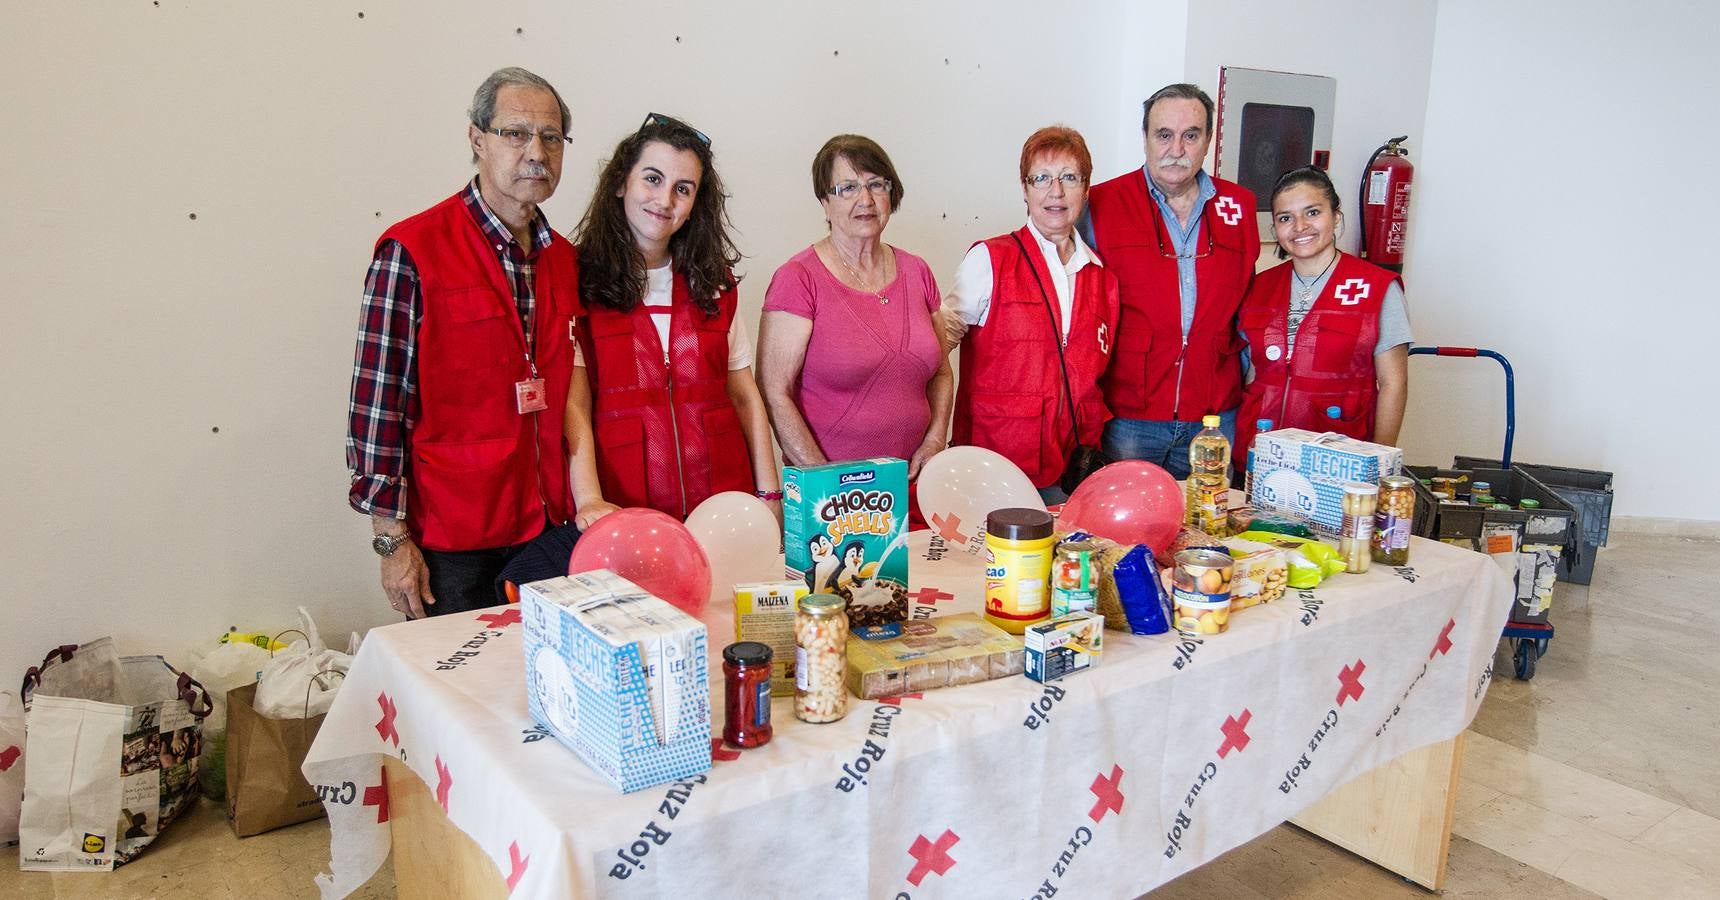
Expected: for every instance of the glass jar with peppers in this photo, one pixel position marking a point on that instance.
(746, 694)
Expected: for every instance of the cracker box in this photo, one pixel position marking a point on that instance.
(932, 653)
(764, 612)
(1303, 472)
(845, 530)
(619, 676)
(1063, 646)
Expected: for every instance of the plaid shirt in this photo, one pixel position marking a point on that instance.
(383, 405)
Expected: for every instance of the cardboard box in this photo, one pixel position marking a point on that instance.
(845, 530)
(1302, 472)
(1063, 646)
(764, 612)
(932, 653)
(619, 676)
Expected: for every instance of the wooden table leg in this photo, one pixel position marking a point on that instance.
(432, 858)
(1398, 815)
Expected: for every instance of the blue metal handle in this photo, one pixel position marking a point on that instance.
(1510, 387)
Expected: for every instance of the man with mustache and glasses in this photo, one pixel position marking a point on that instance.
(461, 375)
(1182, 245)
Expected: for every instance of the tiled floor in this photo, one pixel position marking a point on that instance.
(1599, 777)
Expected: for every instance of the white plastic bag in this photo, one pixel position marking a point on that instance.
(11, 765)
(290, 688)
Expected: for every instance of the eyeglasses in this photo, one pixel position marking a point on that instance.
(672, 122)
(1042, 181)
(1160, 228)
(848, 190)
(519, 138)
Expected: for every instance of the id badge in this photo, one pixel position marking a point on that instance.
(528, 396)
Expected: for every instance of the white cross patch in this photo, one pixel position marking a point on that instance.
(1351, 292)
(1104, 336)
(1229, 210)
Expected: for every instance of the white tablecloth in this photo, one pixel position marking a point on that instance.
(1104, 784)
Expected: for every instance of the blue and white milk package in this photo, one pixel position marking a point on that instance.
(1303, 472)
(619, 676)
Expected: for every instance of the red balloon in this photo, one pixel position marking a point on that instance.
(650, 549)
(1130, 502)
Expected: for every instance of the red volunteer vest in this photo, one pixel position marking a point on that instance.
(1153, 375)
(1010, 398)
(667, 433)
(480, 474)
(1326, 382)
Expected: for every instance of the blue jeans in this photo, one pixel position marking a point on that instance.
(1164, 444)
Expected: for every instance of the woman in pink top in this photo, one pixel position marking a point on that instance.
(849, 354)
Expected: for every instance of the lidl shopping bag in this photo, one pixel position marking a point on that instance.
(113, 744)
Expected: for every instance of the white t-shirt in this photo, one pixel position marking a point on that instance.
(970, 299)
(659, 295)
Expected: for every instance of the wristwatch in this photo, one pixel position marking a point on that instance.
(386, 544)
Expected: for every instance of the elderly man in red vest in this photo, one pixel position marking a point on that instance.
(464, 353)
(1182, 245)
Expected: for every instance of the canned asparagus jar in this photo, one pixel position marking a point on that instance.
(1355, 538)
(820, 658)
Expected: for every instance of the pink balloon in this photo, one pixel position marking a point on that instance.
(650, 549)
(1131, 502)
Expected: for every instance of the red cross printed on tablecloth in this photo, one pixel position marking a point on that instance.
(1350, 682)
(929, 596)
(1443, 645)
(377, 795)
(385, 725)
(722, 753)
(444, 781)
(931, 857)
(509, 616)
(9, 756)
(1107, 790)
(1235, 730)
(949, 527)
(897, 701)
(516, 865)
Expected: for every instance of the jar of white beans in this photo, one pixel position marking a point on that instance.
(820, 658)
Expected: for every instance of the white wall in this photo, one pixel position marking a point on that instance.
(1564, 199)
(295, 133)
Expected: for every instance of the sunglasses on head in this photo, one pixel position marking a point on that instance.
(672, 122)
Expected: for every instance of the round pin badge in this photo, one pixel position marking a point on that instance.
(1273, 352)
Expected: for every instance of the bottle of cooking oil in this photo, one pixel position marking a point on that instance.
(1209, 480)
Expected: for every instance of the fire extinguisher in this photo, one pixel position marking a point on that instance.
(1385, 204)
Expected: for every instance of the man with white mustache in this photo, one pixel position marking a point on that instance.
(464, 352)
(1183, 246)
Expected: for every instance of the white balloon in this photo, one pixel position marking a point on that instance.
(741, 538)
(962, 485)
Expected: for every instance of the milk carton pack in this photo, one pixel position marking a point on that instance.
(1303, 472)
(619, 676)
(845, 528)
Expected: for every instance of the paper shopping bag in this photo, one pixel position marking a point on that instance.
(265, 789)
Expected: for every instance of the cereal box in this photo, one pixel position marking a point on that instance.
(1303, 472)
(764, 612)
(845, 531)
(619, 676)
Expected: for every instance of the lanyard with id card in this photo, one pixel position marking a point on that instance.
(529, 392)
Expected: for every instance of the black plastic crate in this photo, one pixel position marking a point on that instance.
(1554, 523)
(1589, 491)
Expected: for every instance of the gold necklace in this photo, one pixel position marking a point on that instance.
(879, 293)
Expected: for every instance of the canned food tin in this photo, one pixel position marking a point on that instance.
(1200, 591)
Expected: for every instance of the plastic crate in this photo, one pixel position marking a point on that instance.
(1554, 523)
(1589, 491)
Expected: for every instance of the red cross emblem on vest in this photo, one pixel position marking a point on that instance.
(1229, 210)
(1352, 292)
(1104, 338)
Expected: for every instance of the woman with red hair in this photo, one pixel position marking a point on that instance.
(1035, 313)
